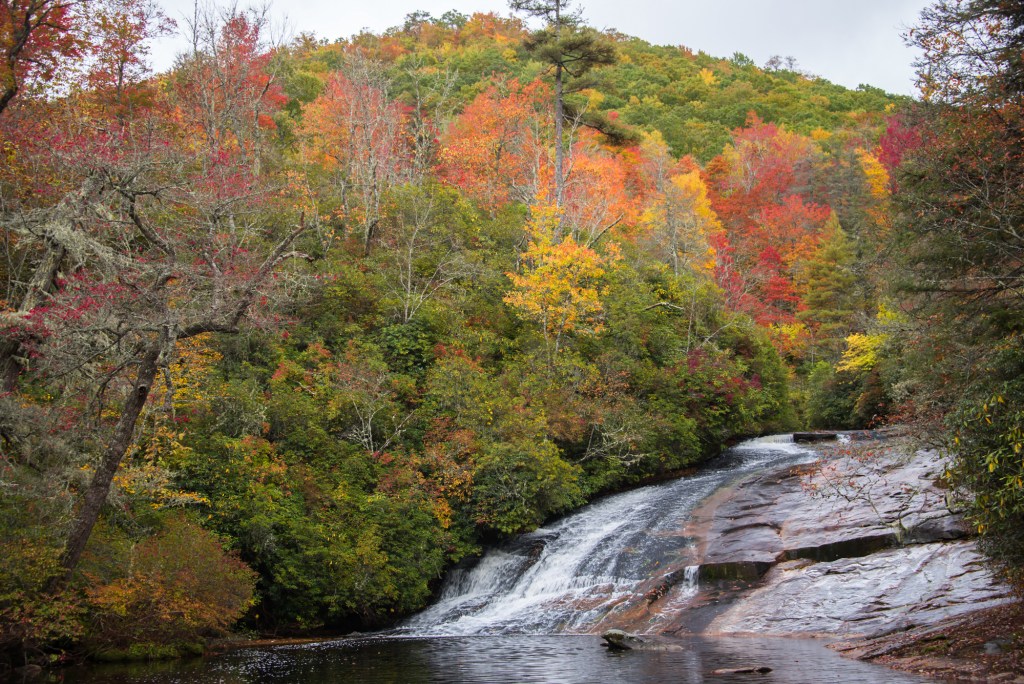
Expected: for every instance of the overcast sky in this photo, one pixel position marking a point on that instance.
(846, 41)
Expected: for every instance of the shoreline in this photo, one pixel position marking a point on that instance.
(983, 645)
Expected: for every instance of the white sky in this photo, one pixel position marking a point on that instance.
(846, 41)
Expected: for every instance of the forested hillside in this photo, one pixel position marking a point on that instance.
(289, 329)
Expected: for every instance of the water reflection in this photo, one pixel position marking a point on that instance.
(502, 659)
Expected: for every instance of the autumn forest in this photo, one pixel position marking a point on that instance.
(294, 326)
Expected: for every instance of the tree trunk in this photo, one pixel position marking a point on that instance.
(120, 441)
(559, 151)
(42, 284)
(559, 145)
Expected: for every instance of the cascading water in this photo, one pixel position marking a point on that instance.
(570, 575)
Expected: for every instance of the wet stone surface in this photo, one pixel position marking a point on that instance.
(866, 596)
(848, 508)
(860, 546)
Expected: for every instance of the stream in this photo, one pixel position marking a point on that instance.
(528, 610)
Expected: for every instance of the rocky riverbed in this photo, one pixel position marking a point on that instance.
(860, 547)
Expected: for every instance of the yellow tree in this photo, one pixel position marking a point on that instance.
(679, 218)
(559, 286)
(877, 179)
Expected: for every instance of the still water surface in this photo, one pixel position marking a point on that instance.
(502, 660)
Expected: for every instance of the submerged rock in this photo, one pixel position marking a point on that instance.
(618, 640)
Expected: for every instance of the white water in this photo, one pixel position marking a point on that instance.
(565, 577)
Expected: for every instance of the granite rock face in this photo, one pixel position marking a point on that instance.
(847, 507)
(859, 545)
(866, 596)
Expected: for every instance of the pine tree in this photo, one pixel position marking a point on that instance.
(828, 282)
(572, 50)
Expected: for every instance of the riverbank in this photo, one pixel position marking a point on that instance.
(984, 645)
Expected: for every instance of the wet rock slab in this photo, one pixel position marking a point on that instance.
(861, 545)
(849, 508)
(866, 596)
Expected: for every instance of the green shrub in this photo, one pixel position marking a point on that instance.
(519, 485)
(987, 466)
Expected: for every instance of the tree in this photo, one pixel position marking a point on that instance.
(764, 164)
(356, 128)
(964, 177)
(572, 50)
(36, 36)
(118, 30)
(227, 87)
(758, 187)
(959, 234)
(828, 285)
(165, 234)
(599, 194)
(426, 252)
(118, 71)
(493, 152)
(559, 286)
(679, 217)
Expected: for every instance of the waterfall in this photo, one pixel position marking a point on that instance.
(690, 578)
(768, 439)
(572, 574)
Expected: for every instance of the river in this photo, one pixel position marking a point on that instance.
(529, 609)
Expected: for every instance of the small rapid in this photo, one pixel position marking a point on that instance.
(569, 576)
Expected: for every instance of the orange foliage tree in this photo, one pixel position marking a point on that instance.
(600, 191)
(494, 152)
(355, 129)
